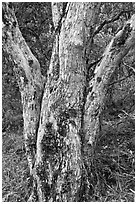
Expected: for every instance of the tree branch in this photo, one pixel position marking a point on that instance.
(132, 68)
(105, 22)
(29, 30)
(32, 32)
(94, 63)
(120, 80)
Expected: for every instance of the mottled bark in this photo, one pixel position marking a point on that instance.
(29, 78)
(60, 136)
(59, 141)
(98, 86)
(62, 124)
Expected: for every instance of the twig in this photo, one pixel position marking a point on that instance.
(129, 66)
(94, 63)
(120, 80)
(132, 190)
(105, 22)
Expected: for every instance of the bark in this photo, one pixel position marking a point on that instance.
(29, 78)
(60, 136)
(62, 123)
(114, 53)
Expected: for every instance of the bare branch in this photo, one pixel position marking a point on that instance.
(129, 66)
(105, 22)
(120, 80)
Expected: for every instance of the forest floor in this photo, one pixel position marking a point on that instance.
(114, 164)
(15, 172)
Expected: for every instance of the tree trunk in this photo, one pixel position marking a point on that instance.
(29, 78)
(62, 122)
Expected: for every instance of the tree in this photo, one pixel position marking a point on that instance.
(63, 112)
(35, 23)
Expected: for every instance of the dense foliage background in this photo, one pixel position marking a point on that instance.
(114, 153)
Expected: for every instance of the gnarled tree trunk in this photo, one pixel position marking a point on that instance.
(62, 119)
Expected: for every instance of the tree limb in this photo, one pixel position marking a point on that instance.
(120, 80)
(133, 69)
(105, 22)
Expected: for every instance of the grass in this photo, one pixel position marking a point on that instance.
(15, 173)
(114, 165)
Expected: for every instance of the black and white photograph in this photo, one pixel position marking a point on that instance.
(68, 101)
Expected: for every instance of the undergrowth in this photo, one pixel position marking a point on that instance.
(15, 172)
(113, 162)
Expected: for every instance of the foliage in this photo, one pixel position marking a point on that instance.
(115, 149)
(107, 26)
(35, 23)
(11, 103)
(15, 170)
(113, 163)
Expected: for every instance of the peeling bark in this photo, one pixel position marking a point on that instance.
(61, 113)
(115, 51)
(29, 78)
(62, 120)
